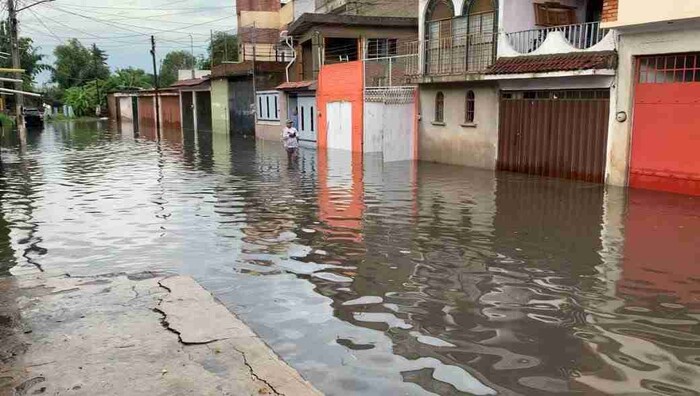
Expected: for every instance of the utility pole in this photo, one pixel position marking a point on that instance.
(16, 64)
(155, 84)
(212, 51)
(192, 53)
(98, 110)
(14, 50)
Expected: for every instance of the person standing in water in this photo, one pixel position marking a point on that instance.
(290, 138)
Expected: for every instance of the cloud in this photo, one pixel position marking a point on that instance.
(123, 27)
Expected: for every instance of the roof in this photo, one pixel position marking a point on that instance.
(555, 62)
(307, 21)
(298, 86)
(192, 82)
(245, 68)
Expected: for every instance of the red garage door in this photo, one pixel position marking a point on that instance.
(666, 129)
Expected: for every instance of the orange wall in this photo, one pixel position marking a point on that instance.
(341, 82)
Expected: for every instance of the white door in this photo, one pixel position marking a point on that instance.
(307, 118)
(339, 118)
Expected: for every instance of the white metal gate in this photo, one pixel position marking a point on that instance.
(307, 118)
(339, 116)
(389, 125)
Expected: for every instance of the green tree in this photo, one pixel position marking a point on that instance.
(100, 69)
(30, 58)
(224, 47)
(172, 63)
(76, 65)
(130, 78)
(83, 99)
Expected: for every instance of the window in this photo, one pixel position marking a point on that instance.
(440, 107)
(668, 69)
(381, 48)
(268, 106)
(554, 14)
(470, 108)
(311, 113)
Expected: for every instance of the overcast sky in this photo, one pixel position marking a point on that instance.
(123, 27)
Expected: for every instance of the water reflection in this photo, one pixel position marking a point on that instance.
(376, 278)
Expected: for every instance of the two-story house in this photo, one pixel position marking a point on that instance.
(334, 32)
(655, 138)
(516, 85)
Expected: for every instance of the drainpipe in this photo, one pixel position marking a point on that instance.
(290, 43)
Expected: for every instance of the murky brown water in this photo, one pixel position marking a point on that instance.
(399, 279)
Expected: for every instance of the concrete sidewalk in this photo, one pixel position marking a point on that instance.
(139, 334)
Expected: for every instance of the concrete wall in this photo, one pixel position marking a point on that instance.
(125, 108)
(452, 143)
(302, 7)
(636, 12)
(262, 19)
(397, 8)
(631, 45)
(287, 14)
(272, 130)
(219, 105)
(187, 74)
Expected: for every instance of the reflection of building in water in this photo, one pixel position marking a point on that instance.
(221, 148)
(502, 266)
(268, 203)
(340, 194)
(647, 328)
(662, 250)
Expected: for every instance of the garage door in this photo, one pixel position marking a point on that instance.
(554, 133)
(666, 128)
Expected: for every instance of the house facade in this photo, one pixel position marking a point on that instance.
(517, 85)
(654, 137)
(324, 95)
(256, 64)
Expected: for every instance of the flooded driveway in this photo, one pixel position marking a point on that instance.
(373, 278)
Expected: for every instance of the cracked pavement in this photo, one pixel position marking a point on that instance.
(142, 334)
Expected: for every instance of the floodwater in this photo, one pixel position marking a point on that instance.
(373, 278)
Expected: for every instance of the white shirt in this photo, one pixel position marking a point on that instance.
(290, 137)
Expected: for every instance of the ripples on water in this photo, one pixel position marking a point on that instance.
(375, 278)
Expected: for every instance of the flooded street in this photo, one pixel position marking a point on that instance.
(375, 278)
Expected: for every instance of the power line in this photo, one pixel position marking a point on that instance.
(130, 26)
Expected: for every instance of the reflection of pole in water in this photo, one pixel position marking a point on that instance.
(7, 254)
(160, 200)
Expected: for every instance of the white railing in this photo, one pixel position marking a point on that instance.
(472, 53)
(580, 36)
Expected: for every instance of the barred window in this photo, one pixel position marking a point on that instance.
(440, 107)
(268, 106)
(470, 108)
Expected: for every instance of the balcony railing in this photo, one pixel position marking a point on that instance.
(473, 53)
(581, 36)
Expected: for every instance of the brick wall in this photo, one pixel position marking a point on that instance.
(610, 10)
(257, 5)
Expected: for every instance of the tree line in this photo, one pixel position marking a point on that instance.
(81, 77)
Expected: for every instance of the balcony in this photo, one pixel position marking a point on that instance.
(557, 39)
(450, 58)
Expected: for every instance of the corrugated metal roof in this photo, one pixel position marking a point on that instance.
(189, 82)
(555, 62)
(297, 85)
